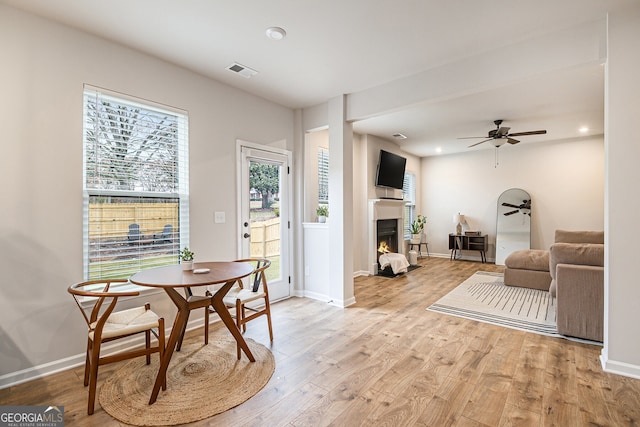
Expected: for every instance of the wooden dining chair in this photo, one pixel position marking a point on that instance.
(242, 294)
(104, 324)
(191, 297)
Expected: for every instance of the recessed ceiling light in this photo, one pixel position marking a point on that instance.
(399, 136)
(276, 33)
(438, 149)
(584, 129)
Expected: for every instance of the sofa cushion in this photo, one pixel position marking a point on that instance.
(528, 259)
(566, 236)
(532, 279)
(573, 253)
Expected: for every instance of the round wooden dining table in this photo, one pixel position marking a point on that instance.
(171, 278)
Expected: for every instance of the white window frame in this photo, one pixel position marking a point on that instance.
(179, 192)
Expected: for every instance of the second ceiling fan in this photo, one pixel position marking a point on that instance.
(524, 207)
(501, 135)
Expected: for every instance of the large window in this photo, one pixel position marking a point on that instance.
(136, 208)
(409, 196)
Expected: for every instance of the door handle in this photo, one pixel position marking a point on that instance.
(246, 235)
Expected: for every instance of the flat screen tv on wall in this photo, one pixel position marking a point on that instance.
(390, 170)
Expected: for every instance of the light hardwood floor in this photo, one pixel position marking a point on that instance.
(388, 361)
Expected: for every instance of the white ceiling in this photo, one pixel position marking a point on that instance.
(338, 47)
(560, 102)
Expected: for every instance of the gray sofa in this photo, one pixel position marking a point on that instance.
(576, 264)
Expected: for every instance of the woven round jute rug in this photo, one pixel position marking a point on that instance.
(202, 381)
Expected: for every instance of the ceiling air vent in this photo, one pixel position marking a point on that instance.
(241, 70)
(399, 136)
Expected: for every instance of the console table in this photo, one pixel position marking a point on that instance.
(461, 242)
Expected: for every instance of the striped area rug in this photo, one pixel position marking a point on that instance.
(485, 298)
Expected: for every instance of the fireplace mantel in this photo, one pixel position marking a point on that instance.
(383, 209)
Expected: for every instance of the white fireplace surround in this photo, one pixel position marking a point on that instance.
(383, 209)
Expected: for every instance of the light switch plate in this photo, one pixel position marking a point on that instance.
(219, 218)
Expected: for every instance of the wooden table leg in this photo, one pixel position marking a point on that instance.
(180, 322)
(181, 319)
(221, 309)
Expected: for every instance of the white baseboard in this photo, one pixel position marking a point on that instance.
(316, 296)
(343, 303)
(436, 255)
(53, 367)
(41, 371)
(328, 299)
(620, 368)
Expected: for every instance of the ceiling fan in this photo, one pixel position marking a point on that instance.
(500, 135)
(525, 205)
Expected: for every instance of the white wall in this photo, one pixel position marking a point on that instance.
(373, 146)
(366, 150)
(370, 155)
(44, 66)
(564, 178)
(360, 206)
(621, 351)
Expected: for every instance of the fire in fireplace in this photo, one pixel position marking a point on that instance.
(387, 232)
(384, 248)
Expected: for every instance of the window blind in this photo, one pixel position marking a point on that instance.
(323, 176)
(409, 195)
(136, 189)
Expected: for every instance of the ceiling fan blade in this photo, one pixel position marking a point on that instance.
(503, 131)
(510, 205)
(512, 141)
(472, 137)
(473, 145)
(510, 213)
(533, 132)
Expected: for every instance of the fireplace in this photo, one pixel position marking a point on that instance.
(385, 219)
(387, 241)
(387, 236)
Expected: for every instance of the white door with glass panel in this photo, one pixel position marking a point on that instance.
(264, 230)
